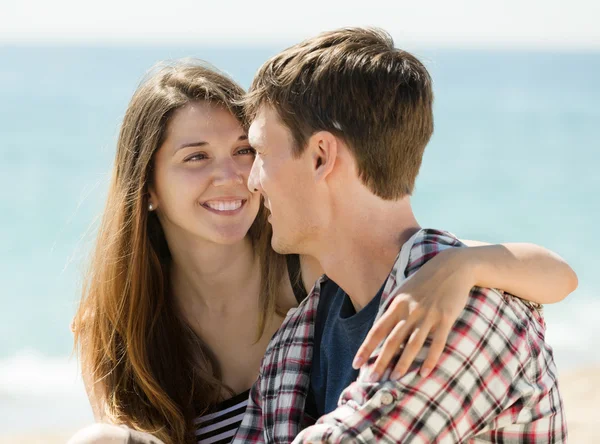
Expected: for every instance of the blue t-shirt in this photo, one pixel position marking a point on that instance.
(339, 332)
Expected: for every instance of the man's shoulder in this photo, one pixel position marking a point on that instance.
(422, 246)
(299, 321)
(426, 244)
(487, 303)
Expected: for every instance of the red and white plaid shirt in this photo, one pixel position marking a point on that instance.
(495, 382)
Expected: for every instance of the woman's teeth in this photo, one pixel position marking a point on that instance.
(230, 205)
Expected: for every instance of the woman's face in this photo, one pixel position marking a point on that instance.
(200, 176)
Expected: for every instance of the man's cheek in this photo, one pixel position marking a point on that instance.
(265, 178)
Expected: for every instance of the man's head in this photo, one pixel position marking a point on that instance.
(341, 109)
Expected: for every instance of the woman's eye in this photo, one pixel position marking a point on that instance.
(195, 157)
(248, 150)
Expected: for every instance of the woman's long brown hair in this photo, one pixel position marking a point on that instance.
(146, 367)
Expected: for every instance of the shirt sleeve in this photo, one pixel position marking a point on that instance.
(251, 428)
(472, 383)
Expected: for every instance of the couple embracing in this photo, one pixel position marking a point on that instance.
(260, 275)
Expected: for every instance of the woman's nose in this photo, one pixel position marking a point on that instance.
(227, 173)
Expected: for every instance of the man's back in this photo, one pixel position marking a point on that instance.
(500, 372)
(532, 409)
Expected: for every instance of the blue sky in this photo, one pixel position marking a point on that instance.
(554, 24)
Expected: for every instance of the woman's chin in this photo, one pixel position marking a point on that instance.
(230, 235)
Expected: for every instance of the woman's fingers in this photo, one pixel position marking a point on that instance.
(390, 348)
(395, 327)
(396, 313)
(440, 337)
(412, 348)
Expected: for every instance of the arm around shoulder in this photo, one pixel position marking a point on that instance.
(526, 270)
(464, 389)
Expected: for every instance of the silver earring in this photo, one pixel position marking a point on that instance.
(151, 207)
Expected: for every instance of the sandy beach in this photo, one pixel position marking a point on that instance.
(581, 395)
(39, 437)
(580, 390)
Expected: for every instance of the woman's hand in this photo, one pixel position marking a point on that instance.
(427, 304)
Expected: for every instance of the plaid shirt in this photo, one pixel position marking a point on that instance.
(495, 382)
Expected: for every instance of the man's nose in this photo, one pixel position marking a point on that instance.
(254, 177)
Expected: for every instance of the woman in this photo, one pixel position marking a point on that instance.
(184, 291)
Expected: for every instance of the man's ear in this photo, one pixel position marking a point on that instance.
(323, 147)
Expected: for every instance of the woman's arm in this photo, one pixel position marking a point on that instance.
(429, 303)
(526, 270)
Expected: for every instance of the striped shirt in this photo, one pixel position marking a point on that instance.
(495, 382)
(219, 426)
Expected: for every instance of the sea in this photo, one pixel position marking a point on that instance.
(515, 158)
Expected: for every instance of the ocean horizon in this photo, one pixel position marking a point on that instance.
(514, 158)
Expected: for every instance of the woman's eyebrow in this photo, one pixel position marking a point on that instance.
(190, 144)
(203, 143)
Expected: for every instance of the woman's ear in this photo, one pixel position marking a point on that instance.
(152, 198)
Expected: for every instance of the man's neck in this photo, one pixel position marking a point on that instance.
(359, 251)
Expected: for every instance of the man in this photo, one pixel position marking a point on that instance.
(340, 123)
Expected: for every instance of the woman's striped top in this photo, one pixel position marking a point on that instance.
(219, 426)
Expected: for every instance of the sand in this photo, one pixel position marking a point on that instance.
(581, 395)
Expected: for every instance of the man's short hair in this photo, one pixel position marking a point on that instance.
(353, 83)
